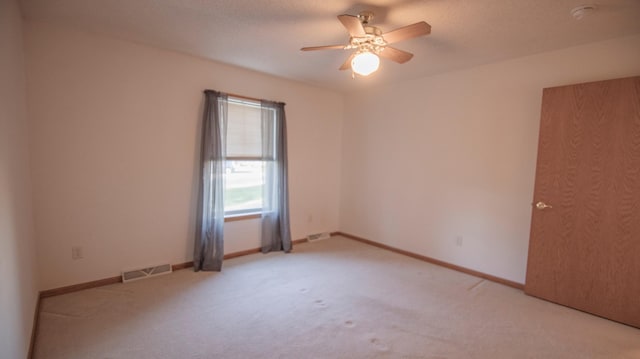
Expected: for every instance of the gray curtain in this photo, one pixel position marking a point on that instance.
(208, 249)
(276, 234)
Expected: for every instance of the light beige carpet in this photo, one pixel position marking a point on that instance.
(335, 298)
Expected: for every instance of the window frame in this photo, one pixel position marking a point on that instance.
(249, 213)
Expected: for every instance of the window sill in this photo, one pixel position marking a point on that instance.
(242, 217)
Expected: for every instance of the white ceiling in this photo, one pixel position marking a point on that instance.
(266, 35)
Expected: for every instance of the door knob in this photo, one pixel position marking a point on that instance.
(542, 205)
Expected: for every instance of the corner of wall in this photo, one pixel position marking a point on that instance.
(18, 274)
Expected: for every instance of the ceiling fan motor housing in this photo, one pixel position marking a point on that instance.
(365, 17)
(371, 42)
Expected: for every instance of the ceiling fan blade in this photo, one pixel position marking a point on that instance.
(347, 64)
(329, 47)
(396, 55)
(407, 32)
(353, 25)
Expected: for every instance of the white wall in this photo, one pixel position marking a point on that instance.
(115, 136)
(428, 160)
(18, 275)
(415, 164)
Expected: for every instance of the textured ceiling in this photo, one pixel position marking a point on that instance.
(266, 35)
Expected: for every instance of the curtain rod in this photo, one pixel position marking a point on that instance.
(246, 97)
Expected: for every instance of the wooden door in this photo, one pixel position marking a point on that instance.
(584, 249)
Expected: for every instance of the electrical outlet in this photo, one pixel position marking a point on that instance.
(459, 241)
(76, 252)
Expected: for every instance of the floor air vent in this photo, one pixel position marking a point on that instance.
(318, 236)
(131, 275)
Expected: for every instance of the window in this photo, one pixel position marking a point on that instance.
(245, 158)
(243, 167)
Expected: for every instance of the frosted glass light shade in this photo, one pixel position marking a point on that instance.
(365, 63)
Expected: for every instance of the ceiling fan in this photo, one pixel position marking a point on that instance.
(370, 43)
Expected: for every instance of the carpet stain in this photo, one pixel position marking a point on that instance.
(304, 290)
(320, 303)
(349, 324)
(379, 345)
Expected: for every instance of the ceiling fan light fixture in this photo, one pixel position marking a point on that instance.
(365, 63)
(370, 43)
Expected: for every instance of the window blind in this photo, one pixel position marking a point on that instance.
(244, 130)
